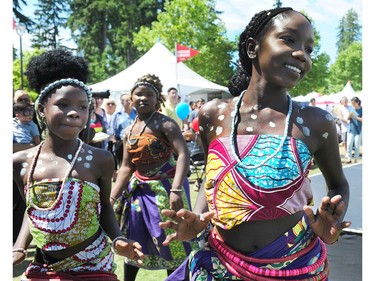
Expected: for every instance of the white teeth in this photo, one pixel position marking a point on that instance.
(293, 68)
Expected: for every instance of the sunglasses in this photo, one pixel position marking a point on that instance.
(27, 112)
(24, 100)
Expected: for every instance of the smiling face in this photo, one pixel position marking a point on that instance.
(66, 112)
(284, 49)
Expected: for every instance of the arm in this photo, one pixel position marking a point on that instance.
(123, 175)
(123, 246)
(329, 219)
(174, 135)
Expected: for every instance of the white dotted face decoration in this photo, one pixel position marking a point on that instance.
(89, 157)
(221, 117)
(253, 116)
(329, 117)
(86, 165)
(249, 129)
(325, 135)
(272, 124)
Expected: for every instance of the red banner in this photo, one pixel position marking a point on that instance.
(184, 53)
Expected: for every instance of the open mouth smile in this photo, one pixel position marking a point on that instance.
(295, 69)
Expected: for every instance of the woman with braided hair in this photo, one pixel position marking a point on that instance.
(151, 179)
(259, 146)
(66, 183)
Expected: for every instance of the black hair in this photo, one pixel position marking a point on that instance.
(255, 29)
(54, 65)
(172, 88)
(357, 100)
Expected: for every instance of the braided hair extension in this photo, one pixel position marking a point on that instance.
(154, 82)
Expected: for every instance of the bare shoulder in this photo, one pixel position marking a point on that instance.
(216, 107)
(312, 116)
(24, 156)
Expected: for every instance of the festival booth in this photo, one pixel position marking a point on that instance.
(161, 62)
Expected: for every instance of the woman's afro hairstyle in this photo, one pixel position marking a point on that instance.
(55, 65)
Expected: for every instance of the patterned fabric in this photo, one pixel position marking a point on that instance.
(149, 197)
(95, 257)
(62, 216)
(296, 255)
(276, 189)
(148, 149)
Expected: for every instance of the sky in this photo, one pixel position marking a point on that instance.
(236, 14)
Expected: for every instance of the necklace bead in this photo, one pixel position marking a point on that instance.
(234, 128)
(135, 141)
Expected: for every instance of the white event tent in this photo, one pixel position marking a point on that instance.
(161, 62)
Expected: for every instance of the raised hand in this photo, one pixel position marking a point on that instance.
(186, 224)
(326, 222)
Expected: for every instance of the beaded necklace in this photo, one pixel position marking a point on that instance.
(234, 128)
(33, 166)
(135, 140)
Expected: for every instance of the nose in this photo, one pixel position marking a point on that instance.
(301, 55)
(73, 114)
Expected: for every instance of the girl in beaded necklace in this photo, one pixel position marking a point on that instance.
(66, 183)
(259, 146)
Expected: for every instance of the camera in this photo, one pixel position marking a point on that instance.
(104, 94)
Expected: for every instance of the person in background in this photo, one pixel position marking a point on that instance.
(25, 135)
(312, 102)
(109, 108)
(194, 113)
(355, 131)
(119, 121)
(258, 148)
(151, 178)
(21, 96)
(343, 115)
(169, 108)
(99, 125)
(66, 183)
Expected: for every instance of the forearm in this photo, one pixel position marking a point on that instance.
(201, 201)
(108, 222)
(182, 167)
(24, 237)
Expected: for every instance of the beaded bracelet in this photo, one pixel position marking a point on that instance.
(20, 250)
(123, 238)
(113, 198)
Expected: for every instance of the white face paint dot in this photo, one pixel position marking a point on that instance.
(70, 157)
(325, 135)
(249, 129)
(89, 157)
(219, 130)
(211, 128)
(273, 125)
(86, 165)
(221, 117)
(256, 107)
(306, 131)
(30, 155)
(205, 114)
(42, 169)
(23, 172)
(253, 116)
(200, 128)
(89, 151)
(222, 105)
(24, 164)
(232, 114)
(79, 159)
(299, 120)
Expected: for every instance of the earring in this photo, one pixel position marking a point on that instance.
(251, 54)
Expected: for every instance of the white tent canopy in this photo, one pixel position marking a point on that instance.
(161, 62)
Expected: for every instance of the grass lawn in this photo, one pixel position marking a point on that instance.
(148, 275)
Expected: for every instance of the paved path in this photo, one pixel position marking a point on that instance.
(345, 257)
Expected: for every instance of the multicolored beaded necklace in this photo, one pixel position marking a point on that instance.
(234, 130)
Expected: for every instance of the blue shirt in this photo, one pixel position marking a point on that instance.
(119, 121)
(24, 132)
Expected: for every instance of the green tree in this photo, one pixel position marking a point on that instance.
(193, 23)
(277, 4)
(17, 12)
(103, 31)
(349, 30)
(348, 66)
(49, 19)
(315, 80)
